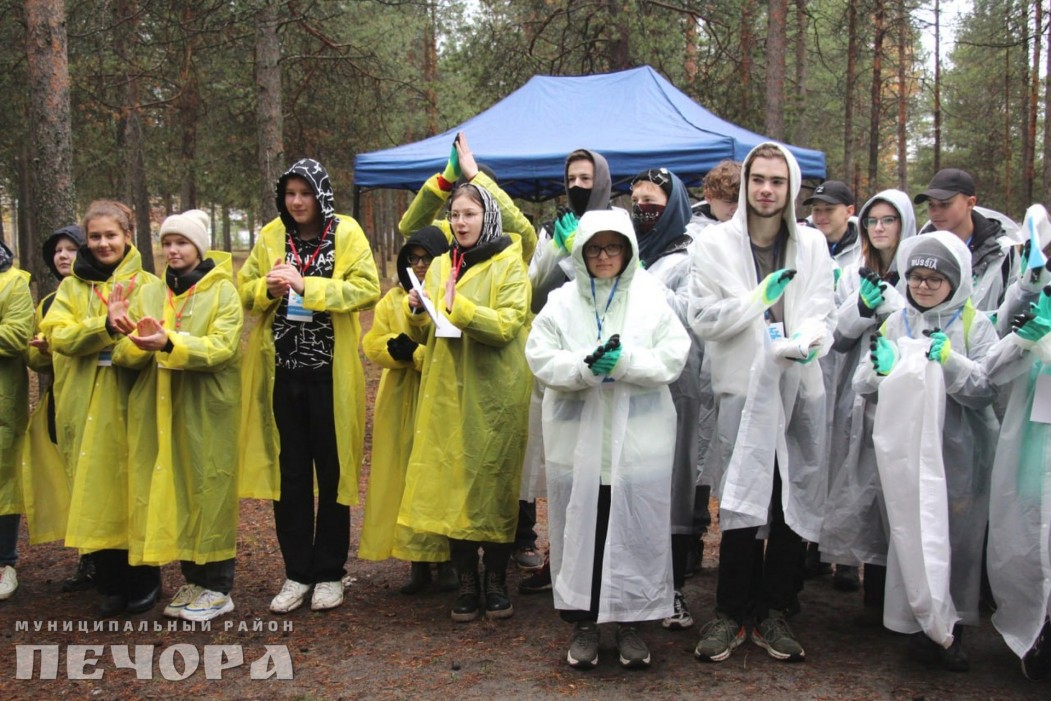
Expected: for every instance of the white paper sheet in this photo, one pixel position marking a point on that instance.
(443, 328)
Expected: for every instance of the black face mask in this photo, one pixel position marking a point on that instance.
(578, 199)
(646, 216)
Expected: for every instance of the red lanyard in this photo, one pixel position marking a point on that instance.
(99, 295)
(178, 312)
(295, 254)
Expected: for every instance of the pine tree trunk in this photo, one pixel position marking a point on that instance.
(775, 69)
(903, 143)
(1047, 124)
(848, 98)
(937, 86)
(1034, 97)
(800, 89)
(50, 170)
(745, 76)
(188, 105)
(271, 150)
(878, 28)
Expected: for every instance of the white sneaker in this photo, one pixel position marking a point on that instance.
(207, 606)
(183, 598)
(290, 597)
(327, 595)
(9, 582)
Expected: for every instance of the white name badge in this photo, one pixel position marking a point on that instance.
(105, 358)
(296, 310)
(776, 330)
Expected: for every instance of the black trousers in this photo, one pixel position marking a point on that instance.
(753, 579)
(216, 576)
(314, 551)
(115, 577)
(601, 529)
(525, 534)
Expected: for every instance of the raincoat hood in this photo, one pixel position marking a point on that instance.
(316, 175)
(429, 238)
(958, 250)
(901, 202)
(671, 225)
(613, 219)
(7, 258)
(794, 180)
(602, 183)
(73, 232)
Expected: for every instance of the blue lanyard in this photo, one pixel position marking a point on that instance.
(908, 327)
(594, 302)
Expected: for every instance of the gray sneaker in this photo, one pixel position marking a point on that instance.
(633, 652)
(774, 635)
(583, 647)
(719, 637)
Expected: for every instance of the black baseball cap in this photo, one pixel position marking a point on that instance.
(832, 192)
(946, 184)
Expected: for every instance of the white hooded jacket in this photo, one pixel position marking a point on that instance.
(768, 407)
(967, 442)
(619, 432)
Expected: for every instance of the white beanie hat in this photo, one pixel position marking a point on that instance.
(193, 224)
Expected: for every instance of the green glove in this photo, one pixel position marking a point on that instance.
(883, 354)
(870, 294)
(808, 359)
(566, 230)
(605, 364)
(1031, 326)
(774, 284)
(940, 348)
(837, 273)
(452, 166)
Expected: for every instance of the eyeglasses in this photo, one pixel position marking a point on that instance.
(658, 176)
(466, 216)
(870, 222)
(419, 260)
(593, 250)
(933, 282)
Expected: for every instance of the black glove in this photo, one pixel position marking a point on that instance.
(401, 347)
(613, 342)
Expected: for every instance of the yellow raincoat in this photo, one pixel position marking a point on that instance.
(426, 207)
(353, 287)
(46, 479)
(91, 405)
(393, 420)
(183, 450)
(472, 416)
(16, 328)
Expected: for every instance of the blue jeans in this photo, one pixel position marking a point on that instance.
(9, 539)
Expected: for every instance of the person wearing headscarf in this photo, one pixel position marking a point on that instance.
(471, 420)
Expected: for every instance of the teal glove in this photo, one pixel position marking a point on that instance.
(870, 294)
(605, 364)
(808, 359)
(452, 171)
(1031, 326)
(837, 273)
(883, 354)
(774, 284)
(566, 230)
(940, 348)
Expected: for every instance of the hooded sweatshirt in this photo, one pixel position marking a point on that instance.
(670, 227)
(429, 238)
(306, 347)
(551, 266)
(991, 265)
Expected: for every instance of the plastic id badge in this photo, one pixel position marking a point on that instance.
(296, 311)
(776, 330)
(105, 358)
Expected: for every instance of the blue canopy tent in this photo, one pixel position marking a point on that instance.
(635, 118)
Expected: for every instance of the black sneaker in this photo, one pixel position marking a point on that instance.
(954, 658)
(528, 559)
(846, 578)
(583, 647)
(538, 582)
(681, 619)
(633, 652)
(924, 650)
(84, 578)
(1036, 663)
